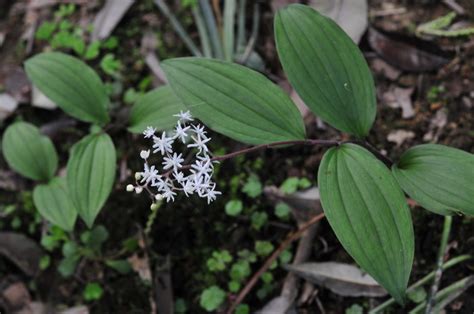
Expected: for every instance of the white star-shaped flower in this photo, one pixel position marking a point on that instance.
(173, 162)
(199, 131)
(169, 194)
(184, 116)
(200, 144)
(211, 194)
(163, 144)
(149, 132)
(180, 132)
(149, 174)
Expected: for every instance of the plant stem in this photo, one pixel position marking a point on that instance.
(290, 238)
(439, 265)
(452, 262)
(456, 288)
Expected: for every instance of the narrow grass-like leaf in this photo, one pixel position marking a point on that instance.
(156, 109)
(326, 68)
(70, 84)
(53, 203)
(28, 152)
(228, 35)
(91, 174)
(439, 178)
(234, 100)
(368, 212)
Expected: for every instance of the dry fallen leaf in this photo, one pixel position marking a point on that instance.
(408, 54)
(141, 266)
(397, 97)
(351, 15)
(22, 251)
(16, 297)
(8, 105)
(400, 136)
(436, 126)
(108, 18)
(343, 279)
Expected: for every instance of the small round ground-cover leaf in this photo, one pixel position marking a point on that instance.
(438, 177)
(234, 100)
(70, 84)
(28, 152)
(54, 204)
(155, 109)
(326, 69)
(91, 174)
(368, 212)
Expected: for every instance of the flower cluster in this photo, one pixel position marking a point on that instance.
(195, 178)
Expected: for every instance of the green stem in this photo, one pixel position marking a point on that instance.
(455, 288)
(452, 262)
(448, 220)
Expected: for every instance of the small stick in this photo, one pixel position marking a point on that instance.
(290, 238)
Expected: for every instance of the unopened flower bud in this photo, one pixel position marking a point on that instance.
(154, 206)
(144, 154)
(159, 197)
(130, 188)
(138, 189)
(138, 175)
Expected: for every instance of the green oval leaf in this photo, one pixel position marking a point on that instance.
(71, 84)
(368, 212)
(28, 152)
(438, 177)
(234, 100)
(156, 109)
(326, 69)
(91, 174)
(54, 204)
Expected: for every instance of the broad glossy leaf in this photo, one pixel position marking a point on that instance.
(71, 84)
(54, 203)
(91, 174)
(156, 109)
(28, 152)
(368, 212)
(326, 69)
(438, 177)
(234, 100)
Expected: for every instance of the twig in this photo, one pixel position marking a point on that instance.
(290, 238)
(376, 152)
(439, 266)
(452, 262)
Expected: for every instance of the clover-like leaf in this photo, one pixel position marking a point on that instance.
(234, 100)
(369, 215)
(28, 152)
(91, 174)
(326, 69)
(438, 177)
